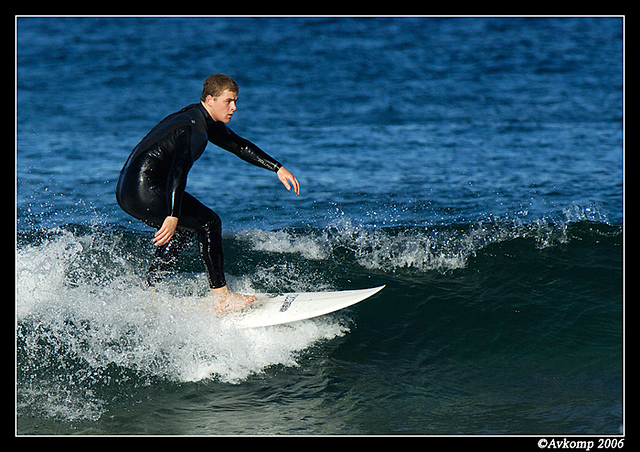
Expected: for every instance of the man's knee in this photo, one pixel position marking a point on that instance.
(212, 221)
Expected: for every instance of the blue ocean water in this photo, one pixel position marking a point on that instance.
(473, 165)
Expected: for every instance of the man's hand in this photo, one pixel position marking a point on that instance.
(165, 233)
(287, 176)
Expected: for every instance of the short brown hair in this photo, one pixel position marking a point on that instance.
(215, 84)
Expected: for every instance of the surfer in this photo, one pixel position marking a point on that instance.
(151, 186)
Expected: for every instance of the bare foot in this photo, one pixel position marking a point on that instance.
(224, 300)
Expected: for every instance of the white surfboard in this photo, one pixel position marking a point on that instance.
(276, 309)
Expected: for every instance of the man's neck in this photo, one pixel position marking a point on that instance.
(208, 111)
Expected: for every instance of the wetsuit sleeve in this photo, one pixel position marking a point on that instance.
(180, 166)
(225, 138)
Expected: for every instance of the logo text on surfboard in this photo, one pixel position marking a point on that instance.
(287, 302)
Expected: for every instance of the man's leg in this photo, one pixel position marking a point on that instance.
(197, 217)
(164, 257)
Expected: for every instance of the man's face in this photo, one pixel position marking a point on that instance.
(222, 107)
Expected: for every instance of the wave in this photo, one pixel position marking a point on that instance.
(441, 248)
(85, 324)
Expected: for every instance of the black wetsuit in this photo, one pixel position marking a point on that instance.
(152, 183)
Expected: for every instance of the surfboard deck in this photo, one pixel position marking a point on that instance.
(281, 308)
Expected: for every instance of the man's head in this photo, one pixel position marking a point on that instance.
(215, 84)
(219, 96)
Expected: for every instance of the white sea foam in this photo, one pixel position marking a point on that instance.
(436, 248)
(283, 241)
(75, 324)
